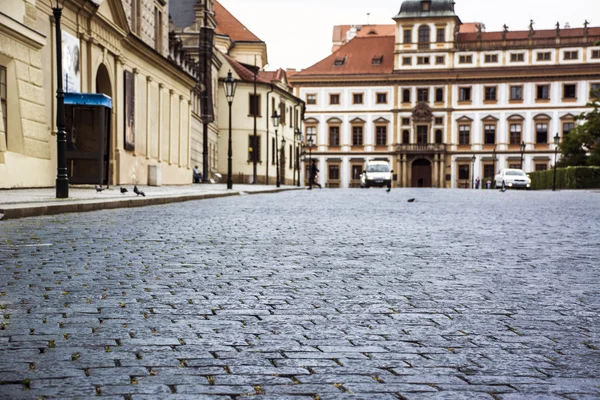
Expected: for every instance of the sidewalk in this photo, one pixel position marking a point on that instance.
(21, 203)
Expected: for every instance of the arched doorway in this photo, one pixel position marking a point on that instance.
(103, 81)
(421, 173)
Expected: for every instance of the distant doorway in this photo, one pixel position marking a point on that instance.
(421, 173)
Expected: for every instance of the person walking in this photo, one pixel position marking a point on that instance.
(312, 179)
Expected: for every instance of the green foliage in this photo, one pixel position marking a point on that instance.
(567, 178)
(582, 145)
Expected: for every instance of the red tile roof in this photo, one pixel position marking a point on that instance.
(358, 55)
(229, 25)
(247, 75)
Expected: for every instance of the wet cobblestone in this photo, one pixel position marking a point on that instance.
(307, 295)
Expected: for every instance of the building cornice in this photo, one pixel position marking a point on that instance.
(20, 32)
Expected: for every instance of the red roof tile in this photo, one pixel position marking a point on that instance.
(244, 73)
(357, 56)
(229, 25)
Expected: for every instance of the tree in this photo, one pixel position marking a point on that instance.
(581, 146)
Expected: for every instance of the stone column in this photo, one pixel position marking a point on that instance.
(160, 121)
(148, 121)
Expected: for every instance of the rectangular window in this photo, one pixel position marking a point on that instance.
(439, 95)
(595, 90)
(423, 95)
(543, 92)
(464, 94)
(441, 35)
(405, 121)
(357, 136)
(254, 105)
(334, 99)
(488, 171)
(158, 29)
(407, 36)
(596, 54)
(545, 56)
(491, 93)
(541, 167)
(423, 60)
(517, 57)
(541, 133)
(439, 120)
(570, 91)
(515, 134)
(3, 97)
(440, 60)
(464, 172)
(382, 98)
(571, 55)
(334, 136)
(357, 98)
(464, 134)
(568, 127)
(136, 11)
(489, 134)
(311, 98)
(406, 60)
(491, 58)
(406, 96)
(516, 93)
(381, 136)
(254, 148)
(334, 172)
(514, 166)
(465, 59)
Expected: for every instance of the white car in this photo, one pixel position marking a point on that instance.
(512, 178)
(376, 173)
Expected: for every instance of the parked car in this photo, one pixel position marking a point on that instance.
(512, 178)
(376, 173)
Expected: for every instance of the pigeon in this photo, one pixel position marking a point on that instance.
(99, 188)
(388, 190)
(411, 200)
(138, 191)
(123, 190)
(503, 189)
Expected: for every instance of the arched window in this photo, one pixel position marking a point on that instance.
(424, 37)
(438, 136)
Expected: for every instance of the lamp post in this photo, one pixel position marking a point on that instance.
(229, 84)
(62, 178)
(296, 154)
(556, 142)
(522, 151)
(275, 118)
(494, 165)
(473, 171)
(310, 142)
(283, 153)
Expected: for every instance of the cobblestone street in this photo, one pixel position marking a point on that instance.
(321, 294)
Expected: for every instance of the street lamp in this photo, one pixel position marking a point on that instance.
(229, 84)
(275, 118)
(62, 178)
(310, 142)
(296, 154)
(494, 165)
(283, 153)
(556, 142)
(522, 151)
(473, 171)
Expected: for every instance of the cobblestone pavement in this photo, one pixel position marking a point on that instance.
(318, 294)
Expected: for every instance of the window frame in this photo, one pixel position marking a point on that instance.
(462, 90)
(487, 100)
(570, 55)
(595, 54)
(440, 33)
(423, 95)
(311, 99)
(385, 98)
(438, 91)
(494, 125)
(536, 125)
(537, 93)
(440, 60)
(355, 98)
(493, 59)
(512, 99)
(544, 56)
(564, 87)
(406, 60)
(334, 96)
(512, 140)
(423, 60)
(360, 135)
(258, 105)
(334, 126)
(251, 146)
(465, 59)
(517, 57)
(462, 132)
(404, 97)
(407, 34)
(378, 133)
(158, 28)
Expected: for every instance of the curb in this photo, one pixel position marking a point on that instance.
(37, 210)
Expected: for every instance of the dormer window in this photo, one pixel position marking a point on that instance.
(372, 32)
(339, 61)
(377, 60)
(425, 5)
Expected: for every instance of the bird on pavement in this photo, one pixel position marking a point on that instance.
(411, 200)
(123, 190)
(99, 188)
(388, 190)
(138, 191)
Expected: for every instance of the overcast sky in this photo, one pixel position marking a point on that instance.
(298, 32)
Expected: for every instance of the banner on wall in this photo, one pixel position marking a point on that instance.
(70, 63)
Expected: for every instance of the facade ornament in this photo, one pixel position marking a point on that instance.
(479, 31)
(557, 29)
(531, 30)
(504, 31)
(586, 24)
(422, 112)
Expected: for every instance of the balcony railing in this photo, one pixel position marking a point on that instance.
(421, 148)
(525, 43)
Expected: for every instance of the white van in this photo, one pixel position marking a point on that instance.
(376, 173)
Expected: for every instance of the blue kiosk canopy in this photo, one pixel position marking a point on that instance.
(88, 99)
